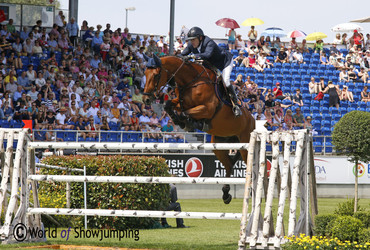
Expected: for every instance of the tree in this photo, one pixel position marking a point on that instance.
(351, 137)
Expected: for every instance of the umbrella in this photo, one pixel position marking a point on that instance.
(228, 23)
(296, 33)
(346, 27)
(274, 32)
(253, 22)
(362, 20)
(316, 36)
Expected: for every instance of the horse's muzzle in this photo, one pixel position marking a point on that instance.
(147, 98)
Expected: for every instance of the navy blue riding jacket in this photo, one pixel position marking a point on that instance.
(210, 51)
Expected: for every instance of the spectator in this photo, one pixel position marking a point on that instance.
(105, 124)
(276, 45)
(92, 129)
(337, 40)
(293, 44)
(50, 135)
(357, 38)
(239, 59)
(270, 103)
(346, 95)
(72, 29)
(323, 59)
(307, 123)
(278, 118)
(231, 39)
(333, 91)
(297, 57)
(81, 126)
(318, 46)
(298, 118)
(303, 47)
(351, 74)
(239, 43)
(365, 96)
(97, 40)
(263, 62)
(125, 122)
(288, 119)
(259, 115)
(278, 93)
(282, 56)
(268, 117)
(297, 98)
(343, 75)
(252, 34)
(134, 122)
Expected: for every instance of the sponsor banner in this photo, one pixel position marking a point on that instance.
(329, 170)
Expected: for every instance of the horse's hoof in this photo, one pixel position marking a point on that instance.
(226, 189)
(228, 199)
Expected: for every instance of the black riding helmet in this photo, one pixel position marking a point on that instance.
(195, 32)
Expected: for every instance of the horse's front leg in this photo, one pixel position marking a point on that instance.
(169, 108)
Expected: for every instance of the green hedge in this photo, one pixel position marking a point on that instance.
(364, 217)
(346, 228)
(110, 195)
(322, 224)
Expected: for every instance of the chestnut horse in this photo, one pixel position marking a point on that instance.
(197, 101)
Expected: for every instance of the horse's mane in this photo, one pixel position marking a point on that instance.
(197, 66)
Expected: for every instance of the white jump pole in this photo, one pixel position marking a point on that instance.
(136, 213)
(136, 179)
(140, 146)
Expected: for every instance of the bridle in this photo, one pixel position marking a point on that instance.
(157, 78)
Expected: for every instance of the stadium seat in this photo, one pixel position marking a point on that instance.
(325, 124)
(326, 131)
(328, 147)
(317, 147)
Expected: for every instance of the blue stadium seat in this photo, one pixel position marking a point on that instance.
(317, 147)
(317, 117)
(326, 116)
(104, 136)
(325, 124)
(333, 110)
(326, 131)
(328, 147)
(114, 137)
(350, 109)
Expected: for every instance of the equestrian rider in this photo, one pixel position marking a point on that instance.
(203, 47)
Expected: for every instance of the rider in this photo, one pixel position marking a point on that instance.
(205, 48)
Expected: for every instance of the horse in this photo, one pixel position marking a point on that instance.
(197, 101)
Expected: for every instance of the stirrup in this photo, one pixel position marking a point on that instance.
(236, 110)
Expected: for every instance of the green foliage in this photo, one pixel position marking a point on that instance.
(364, 236)
(346, 208)
(322, 224)
(351, 136)
(364, 217)
(346, 228)
(113, 195)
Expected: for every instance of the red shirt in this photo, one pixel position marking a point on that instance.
(278, 93)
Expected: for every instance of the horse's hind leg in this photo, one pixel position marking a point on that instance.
(227, 161)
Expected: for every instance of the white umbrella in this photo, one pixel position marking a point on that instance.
(362, 20)
(346, 27)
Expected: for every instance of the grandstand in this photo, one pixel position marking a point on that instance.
(125, 77)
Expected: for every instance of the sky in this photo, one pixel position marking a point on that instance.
(153, 16)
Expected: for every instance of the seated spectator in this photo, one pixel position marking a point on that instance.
(37, 49)
(323, 59)
(297, 57)
(125, 122)
(239, 59)
(346, 95)
(259, 104)
(298, 118)
(50, 135)
(352, 74)
(343, 75)
(263, 62)
(92, 129)
(297, 98)
(307, 123)
(259, 115)
(282, 56)
(6, 111)
(134, 122)
(278, 93)
(268, 117)
(239, 43)
(105, 125)
(312, 85)
(81, 126)
(288, 119)
(338, 64)
(61, 119)
(278, 118)
(363, 75)
(276, 45)
(270, 103)
(137, 99)
(303, 47)
(365, 96)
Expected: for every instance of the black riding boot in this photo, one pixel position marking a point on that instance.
(234, 99)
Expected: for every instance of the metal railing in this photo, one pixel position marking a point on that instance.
(321, 144)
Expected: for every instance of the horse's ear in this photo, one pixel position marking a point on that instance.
(157, 60)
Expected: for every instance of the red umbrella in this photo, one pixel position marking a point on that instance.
(296, 33)
(228, 23)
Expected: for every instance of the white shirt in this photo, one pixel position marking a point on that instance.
(58, 21)
(60, 118)
(92, 111)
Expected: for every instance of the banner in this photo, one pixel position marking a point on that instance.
(329, 170)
